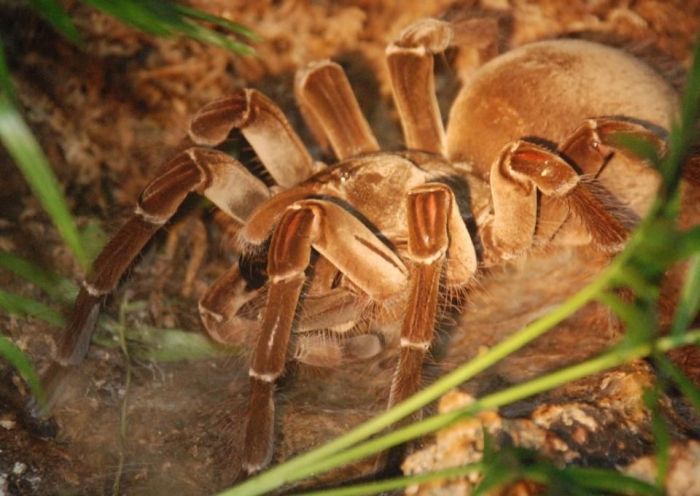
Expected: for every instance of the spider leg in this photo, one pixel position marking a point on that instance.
(219, 307)
(194, 234)
(263, 125)
(592, 144)
(437, 235)
(330, 350)
(349, 245)
(219, 177)
(521, 170)
(410, 62)
(410, 59)
(330, 108)
(591, 147)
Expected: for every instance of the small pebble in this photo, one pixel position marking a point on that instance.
(8, 424)
(19, 468)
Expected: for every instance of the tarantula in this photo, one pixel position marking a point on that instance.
(369, 249)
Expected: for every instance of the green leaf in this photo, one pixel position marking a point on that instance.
(219, 21)
(16, 136)
(94, 238)
(163, 18)
(205, 35)
(57, 287)
(349, 447)
(662, 436)
(640, 327)
(20, 305)
(609, 480)
(27, 154)
(6, 87)
(55, 15)
(639, 146)
(10, 352)
(383, 486)
(684, 384)
(161, 345)
(689, 302)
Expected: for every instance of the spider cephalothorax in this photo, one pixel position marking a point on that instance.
(366, 249)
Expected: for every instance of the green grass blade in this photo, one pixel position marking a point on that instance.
(6, 87)
(55, 15)
(32, 162)
(689, 302)
(289, 471)
(27, 155)
(399, 482)
(339, 452)
(163, 18)
(58, 288)
(160, 345)
(684, 384)
(610, 481)
(660, 432)
(10, 352)
(519, 392)
(19, 305)
(93, 238)
(205, 35)
(218, 21)
(172, 345)
(147, 16)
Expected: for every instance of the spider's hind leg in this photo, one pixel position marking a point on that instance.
(201, 170)
(354, 250)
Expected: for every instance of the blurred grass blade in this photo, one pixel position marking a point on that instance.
(93, 239)
(26, 153)
(6, 87)
(634, 316)
(58, 288)
(608, 360)
(219, 21)
(684, 384)
(149, 16)
(660, 431)
(500, 468)
(20, 305)
(164, 18)
(689, 303)
(10, 352)
(172, 345)
(339, 452)
(609, 481)
(199, 33)
(55, 15)
(400, 482)
(683, 133)
(160, 345)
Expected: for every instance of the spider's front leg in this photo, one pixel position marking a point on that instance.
(442, 253)
(524, 168)
(222, 179)
(351, 247)
(194, 170)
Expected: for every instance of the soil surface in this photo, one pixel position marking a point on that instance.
(108, 115)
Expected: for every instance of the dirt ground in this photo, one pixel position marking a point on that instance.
(109, 115)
